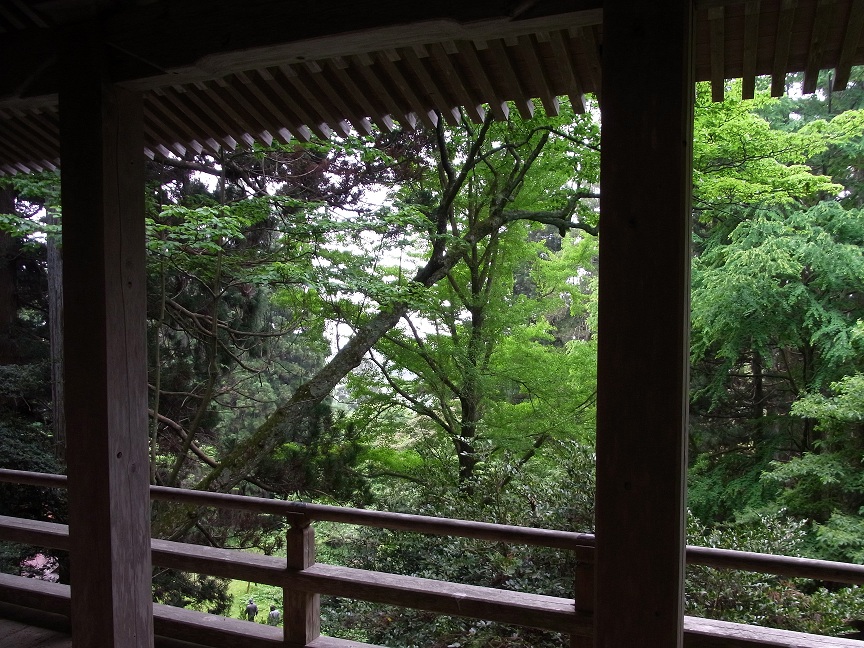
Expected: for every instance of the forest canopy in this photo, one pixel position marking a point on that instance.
(407, 321)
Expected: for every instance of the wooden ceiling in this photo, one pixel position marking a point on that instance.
(219, 74)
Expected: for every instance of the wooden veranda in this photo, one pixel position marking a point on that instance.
(93, 85)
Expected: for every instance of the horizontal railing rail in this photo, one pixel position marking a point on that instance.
(304, 580)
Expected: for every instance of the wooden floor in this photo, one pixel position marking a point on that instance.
(14, 634)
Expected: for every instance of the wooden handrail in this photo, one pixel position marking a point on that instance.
(581, 543)
(303, 579)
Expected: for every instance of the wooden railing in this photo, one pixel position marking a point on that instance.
(303, 580)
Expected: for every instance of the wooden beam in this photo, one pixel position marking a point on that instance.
(279, 76)
(497, 104)
(449, 111)
(716, 18)
(782, 44)
(642, 371)
(296, 77)
(381, 119)
(541, 76)
(562, 52)
(363, 63)
(518, 95)
(276, 93)
(104, 282)
(360, 122)
(302, 617)
(851, 39)
(203, 114)
(591, 50)
(472, 106)
(751, 47)
(398, 81)
(157, 111)
(825, 10)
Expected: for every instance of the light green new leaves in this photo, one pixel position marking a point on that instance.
(738, 158)
(782, 280)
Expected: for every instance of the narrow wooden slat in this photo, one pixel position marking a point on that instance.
(261, 124)
(515, 93)
(156, 111)
(397, 80)
(175, 105)
(197, 627)
(431, 87)
(518, 608)
(825, 10)
(445, 65)
(780, 565)
(538, 71)
(11, 18)
(584, 603)
(161, 134)
(213, 630)
(279, 121)
(44, 125)
(380, 118)
(335, 97)
(497, 104)
(229, 115)
(175, 623)
(156, 139)
(296, 77)
(363, 64)
(751, 46)
(302, 616)
(577, 98)
(33, 532)
(224, 563)
(717, 19)
(35, 593)
(276, 93)
(315, 123)
(29, 146)
(19, 149)
(782, 44)
(591, 52)
(706, 633)
(202, 111)
(851, 40)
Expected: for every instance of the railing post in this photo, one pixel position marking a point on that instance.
(584, 594)
(302, 617)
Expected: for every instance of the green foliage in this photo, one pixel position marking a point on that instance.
(531, 498)
(762, 599)
(738, 158)
(194, 591)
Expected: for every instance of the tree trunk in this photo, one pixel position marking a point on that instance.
(55, 323)
(8, 297)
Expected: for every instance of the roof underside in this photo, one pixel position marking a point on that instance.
(226, 74)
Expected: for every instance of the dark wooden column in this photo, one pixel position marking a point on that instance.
(105, 370)
(643, 322)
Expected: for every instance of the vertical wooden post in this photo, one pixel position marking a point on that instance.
(584, 591)
(644, 322)
(105, 351)
(302, 618)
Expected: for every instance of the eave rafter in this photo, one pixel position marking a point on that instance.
(242, 77)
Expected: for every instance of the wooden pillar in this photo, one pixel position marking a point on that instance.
(105, 353)
(584, 593)
(302, 617)
(643, 322)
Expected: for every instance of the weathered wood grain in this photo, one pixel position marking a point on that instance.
(642, 361)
